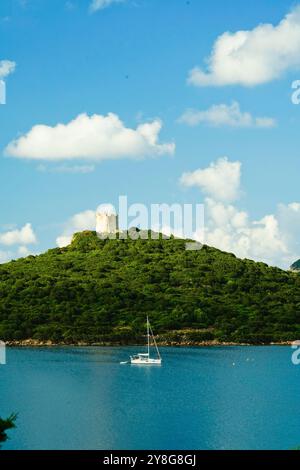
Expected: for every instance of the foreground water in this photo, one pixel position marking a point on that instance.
(200, 398)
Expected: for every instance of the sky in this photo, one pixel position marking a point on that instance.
(175, 101)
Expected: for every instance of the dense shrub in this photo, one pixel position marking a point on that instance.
(102, 290)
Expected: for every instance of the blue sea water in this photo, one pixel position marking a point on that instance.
(200, 398)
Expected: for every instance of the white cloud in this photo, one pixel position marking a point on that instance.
(168, 231)
(106, 208)
(221, 180)
(85, 220)
(252, 57)
(90, 137)
(63, 240)
(5, 256)
(273, 239)
(23, 236)
(17, 239)
(6, 68)
(288, 216)
(101, 4)
(225, 115)
(24, 251)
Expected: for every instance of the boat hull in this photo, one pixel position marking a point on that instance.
(145, 362)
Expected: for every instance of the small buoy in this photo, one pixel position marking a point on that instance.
(233, 363)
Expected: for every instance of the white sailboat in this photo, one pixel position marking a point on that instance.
(144, 359)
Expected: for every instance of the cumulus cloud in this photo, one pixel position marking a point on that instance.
(19, 252)
(107, 209)
(232, 230)
(85, 220)
(288, 216)
(63, 240)
(252, 57)
(90, 137)
(225, 115)
(221, 180)
(24, 251)
(23, 236)
(17, 240)
(6, 68)
(101, 4)
(274, 238)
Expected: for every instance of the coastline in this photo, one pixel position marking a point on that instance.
(32, 343)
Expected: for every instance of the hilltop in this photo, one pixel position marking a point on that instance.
(295, 266)
(99, 291)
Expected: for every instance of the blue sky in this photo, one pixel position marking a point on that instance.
(133, 59)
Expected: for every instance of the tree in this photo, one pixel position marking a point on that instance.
(5, 425)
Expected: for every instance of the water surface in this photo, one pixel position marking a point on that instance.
(200, 398)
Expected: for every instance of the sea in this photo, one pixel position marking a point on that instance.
(231, 397)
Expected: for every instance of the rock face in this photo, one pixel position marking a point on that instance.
(295, 267)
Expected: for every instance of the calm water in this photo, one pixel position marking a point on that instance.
(82, 398)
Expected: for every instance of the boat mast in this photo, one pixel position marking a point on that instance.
(153, 337)
(148, 335)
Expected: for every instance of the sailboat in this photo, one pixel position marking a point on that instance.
(144, 359)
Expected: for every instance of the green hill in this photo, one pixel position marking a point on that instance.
(295, 266)
(101, 290)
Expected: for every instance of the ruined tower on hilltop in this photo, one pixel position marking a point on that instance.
(106, 222)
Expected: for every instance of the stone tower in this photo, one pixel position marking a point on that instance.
(106, 222)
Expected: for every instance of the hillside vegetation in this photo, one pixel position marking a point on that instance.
(295, 266)
(101, 290)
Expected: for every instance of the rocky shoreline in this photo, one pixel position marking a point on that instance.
(34, 343)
